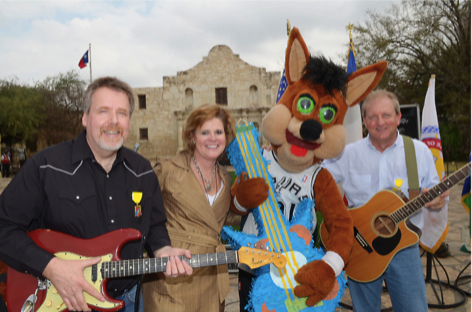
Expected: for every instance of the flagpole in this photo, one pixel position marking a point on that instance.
(90, 61)
(353, 119)
(350, 27)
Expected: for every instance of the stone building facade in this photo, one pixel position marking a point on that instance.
(248, 92)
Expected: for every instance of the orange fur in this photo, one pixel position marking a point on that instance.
(329, 202)
(250, 193)
(316, 281)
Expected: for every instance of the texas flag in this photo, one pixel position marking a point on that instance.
(84, 60)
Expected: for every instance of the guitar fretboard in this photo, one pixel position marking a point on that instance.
(124, 268)
(418, 202)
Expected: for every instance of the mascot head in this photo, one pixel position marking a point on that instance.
(306, 125)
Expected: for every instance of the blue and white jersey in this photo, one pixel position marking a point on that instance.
(290, 188)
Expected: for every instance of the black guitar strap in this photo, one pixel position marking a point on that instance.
(411, 167)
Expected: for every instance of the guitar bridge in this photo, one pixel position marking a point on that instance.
(43, 284)
(30, 302)
(361, 240)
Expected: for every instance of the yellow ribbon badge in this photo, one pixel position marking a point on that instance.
(398, 183)
(136, 197)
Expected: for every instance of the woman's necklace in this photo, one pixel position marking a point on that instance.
(204, 180)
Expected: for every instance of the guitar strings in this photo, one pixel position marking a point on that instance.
(279, 215)
(256, 157)
(240, 137)
(252, 174)
(291, 256)
(266, 211)
(264, 174)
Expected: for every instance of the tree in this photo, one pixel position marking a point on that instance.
(62, 107)
(19, 114)
(49, 112)
(418, 39)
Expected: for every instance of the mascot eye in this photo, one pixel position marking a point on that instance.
(327, 113)
(305, 104)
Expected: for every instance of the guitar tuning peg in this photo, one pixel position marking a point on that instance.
(249, 244)
(268, 248)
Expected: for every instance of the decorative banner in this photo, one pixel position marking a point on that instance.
(435, 223)
(430, 129)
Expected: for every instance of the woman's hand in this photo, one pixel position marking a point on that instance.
(175, 267)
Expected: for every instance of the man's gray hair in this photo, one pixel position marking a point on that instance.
(111, 83)
(380, 94)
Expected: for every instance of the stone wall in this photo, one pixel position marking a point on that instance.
(251, 92)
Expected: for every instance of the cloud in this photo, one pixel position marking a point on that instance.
(142, 41)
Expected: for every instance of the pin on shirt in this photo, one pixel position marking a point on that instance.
(136, 197)
(398, 184)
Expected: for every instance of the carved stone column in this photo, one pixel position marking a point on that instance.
(180, 144)
(244, 115)
(263, 111)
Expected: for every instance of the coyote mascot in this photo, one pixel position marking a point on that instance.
(303, 128)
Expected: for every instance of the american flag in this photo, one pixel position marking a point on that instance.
(282, 86)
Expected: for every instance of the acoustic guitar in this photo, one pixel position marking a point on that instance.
(24, 291)
(382, 228)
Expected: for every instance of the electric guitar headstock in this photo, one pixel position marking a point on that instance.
(256, 258)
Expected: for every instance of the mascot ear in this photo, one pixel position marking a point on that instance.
(361, 82)
(296, 56)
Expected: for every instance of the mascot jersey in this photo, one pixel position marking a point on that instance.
(291, 188)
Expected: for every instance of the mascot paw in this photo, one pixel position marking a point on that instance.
(250, 193)
(316, 280)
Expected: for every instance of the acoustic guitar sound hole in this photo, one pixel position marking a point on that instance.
(384, 225)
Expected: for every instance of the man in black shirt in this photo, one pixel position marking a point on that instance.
(85, 188)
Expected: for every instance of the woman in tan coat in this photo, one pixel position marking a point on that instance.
(196, 194)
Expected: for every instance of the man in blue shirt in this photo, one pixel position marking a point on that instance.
(377, 163)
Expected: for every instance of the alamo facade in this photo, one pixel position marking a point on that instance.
(222, 78)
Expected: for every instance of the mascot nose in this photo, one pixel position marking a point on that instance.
(311, 130)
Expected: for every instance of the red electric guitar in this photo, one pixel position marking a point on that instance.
(24, 290)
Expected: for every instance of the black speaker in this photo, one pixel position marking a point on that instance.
(410, 122)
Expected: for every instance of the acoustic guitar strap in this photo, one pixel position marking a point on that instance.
(411, 167)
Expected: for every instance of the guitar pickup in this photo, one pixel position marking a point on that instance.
(361, 240)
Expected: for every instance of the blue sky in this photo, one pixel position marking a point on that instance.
(142, 41)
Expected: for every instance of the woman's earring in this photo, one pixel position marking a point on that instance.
(193, 141)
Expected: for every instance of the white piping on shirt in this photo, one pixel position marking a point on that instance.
(63, 171)
(137, 175)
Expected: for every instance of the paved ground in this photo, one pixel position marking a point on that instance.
(458, 218)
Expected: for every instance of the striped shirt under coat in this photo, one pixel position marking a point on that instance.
(195, 225)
